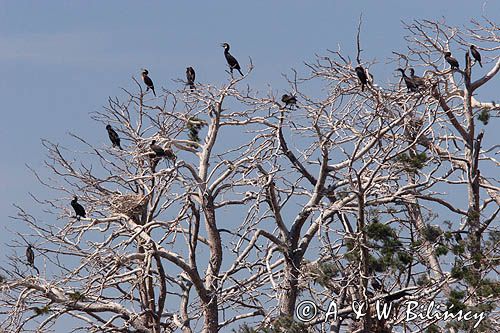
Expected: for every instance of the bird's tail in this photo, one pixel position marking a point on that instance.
(154, 93)
(191, 86)
(480, 64)
(239, 70)
(36, 269)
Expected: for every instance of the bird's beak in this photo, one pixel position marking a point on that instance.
(221, 44)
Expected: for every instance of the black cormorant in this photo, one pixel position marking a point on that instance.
(410, 84)
(147, 81)
(158, 154)
(419, 82)
(289, 100)
(30, 257)
(79, 210)
(190, 76)
(159, 151)
(452, 61)
(396, 295)
(231, 61)
(360, 72)
(113, 136)
(476, 54)
(169, 155)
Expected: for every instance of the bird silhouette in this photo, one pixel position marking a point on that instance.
(30, 257)
(360, 72)
(113, 136)
(159, 151)
(452, 61)
(79, 210)
(410, 84)
(190, 77)
(231, 61)
(475, 54)
(289, 100)
(147, 81)
(419, 82)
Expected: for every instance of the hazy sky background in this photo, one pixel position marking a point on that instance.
(59, 61)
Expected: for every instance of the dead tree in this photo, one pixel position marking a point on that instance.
(246, 206)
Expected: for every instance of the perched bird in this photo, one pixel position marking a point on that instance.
(79, 210)
(159, 151)
(113, 136)
(289, 100)
(231, 61)
(360, 72)
(30, 257)
(452, 61)
(410, 84)
(158, 154)
(419, 82)
(190, 76)
(147, 81)
(396, 295)
(169, 155)
(476, 54)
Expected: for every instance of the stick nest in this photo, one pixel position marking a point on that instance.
(128, 204)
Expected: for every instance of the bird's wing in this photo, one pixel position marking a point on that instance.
(232, 61)
(148, 81)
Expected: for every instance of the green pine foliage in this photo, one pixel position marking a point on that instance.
(194, 125)
(324, 272)
(76, 296)
(388, 251)
(484, 117)
(412, 162)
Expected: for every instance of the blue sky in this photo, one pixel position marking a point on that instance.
(59, 61)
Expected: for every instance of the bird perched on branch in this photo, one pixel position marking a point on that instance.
(159, 151)
(396, 295)
(147, 81)
(476, 54)
(410, 84)
(419, 82)
(113, 136)
(231, 61)
(158, 154)
(289, 100)
(30, 257)
(361, 73)
(79, 210)
(452, 61)
(190, 77)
